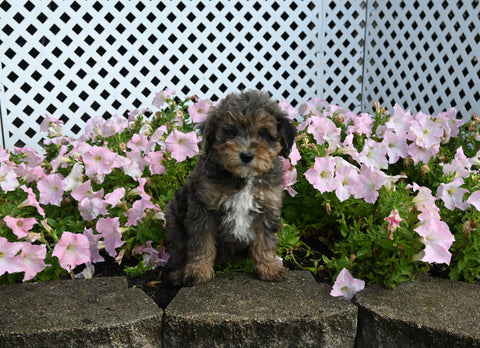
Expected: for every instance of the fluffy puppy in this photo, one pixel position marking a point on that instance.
(231, 202)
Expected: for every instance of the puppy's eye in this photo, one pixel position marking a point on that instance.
(264, 133)
(231, 132)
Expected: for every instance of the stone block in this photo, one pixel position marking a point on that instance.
(427, 312)
(98, 312)
(239, 310)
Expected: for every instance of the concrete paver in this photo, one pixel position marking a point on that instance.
(98, 312)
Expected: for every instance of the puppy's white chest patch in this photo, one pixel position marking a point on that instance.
(237, 217)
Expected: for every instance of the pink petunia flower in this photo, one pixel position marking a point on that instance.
(116, 124)
(85, 190)
(427, 133)
(112, 238)
(137, 211)
(51, 189)
(8, 177)
(52, 125)
(157, 137)
(31, 200)
(347, 148)
(399, 122)
(474, 199)
(92, 129)
(422, 154)
(289, 177)
(153, 257)
(140, 189)
(460, 165)
(182, 145)
(75, 178)
(30, 156)
(449, 123)
(347, 286)
(138, 142)
(155, 162)
(93, 240)
(134, 164)
(314, 105)
(161, 97)
(132, 114)
(87, 272)
(99, 161)
(9, 262)
(331, 110)
(289, 109)
(324, 130)
(346, 182)
(29, 175)
(4, 155)
(452, 194)
(294, 155)
(374, 154)
(394, 220)
(425, 203)
(362, 124)
(437, 239)
(198, 111)
(303, 125)
(91, 208)
(33, 259)
(114, 197)
(396, 146)
(20, 226)
(371, 181)
(72, 249)
(321, 174)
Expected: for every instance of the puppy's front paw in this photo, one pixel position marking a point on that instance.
(273, 272)
(196, 274)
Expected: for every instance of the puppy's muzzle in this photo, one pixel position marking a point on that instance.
(247, 157)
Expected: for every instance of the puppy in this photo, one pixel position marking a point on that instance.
(231, 202)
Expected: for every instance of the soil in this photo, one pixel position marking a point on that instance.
(153, 282)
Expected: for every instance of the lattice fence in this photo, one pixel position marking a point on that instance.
(78, 59)
(83, 58)
(423, 55)
(343, 35)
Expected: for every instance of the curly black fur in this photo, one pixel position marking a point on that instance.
(231, 202)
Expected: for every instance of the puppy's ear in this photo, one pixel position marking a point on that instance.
(287, 133)
(207, 130)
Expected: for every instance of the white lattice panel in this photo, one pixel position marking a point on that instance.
(343, 33)
(423, 55)
(79, 59)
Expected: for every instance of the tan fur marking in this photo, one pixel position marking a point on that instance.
(200, 261)
(266, 265)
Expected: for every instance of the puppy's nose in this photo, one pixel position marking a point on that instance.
(246, 157)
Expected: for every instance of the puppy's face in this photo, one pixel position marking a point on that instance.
(249, 142)
(247, 132)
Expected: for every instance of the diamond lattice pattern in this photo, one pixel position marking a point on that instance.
(341, 66)
(423, 55)
(78, 59)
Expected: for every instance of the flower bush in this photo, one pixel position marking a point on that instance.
(390, 194)
(105, 190)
